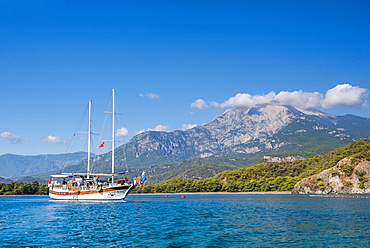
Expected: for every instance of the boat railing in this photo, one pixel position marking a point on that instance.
(74, 186)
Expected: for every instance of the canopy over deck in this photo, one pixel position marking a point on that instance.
(90, 174)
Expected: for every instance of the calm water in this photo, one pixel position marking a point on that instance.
(195, 221)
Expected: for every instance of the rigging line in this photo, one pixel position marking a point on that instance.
(75, 133)
(101, 134)
(108, 105)
(121, 137)
(125, 157)
(95, 148)
(123, 148)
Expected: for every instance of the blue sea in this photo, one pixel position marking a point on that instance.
(225, 220)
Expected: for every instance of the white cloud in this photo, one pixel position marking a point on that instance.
(200, 104)
(12, 138)
(341, 95)
(53, 140)
(150, 95)
(188, 126)
(345, 95)
(157, 128)
(300, 99)
(160, 128)
(245, 100)
(122, 132)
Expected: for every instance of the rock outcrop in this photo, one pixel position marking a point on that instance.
(344, 178)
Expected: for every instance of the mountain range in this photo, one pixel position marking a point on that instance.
(245, 134)
(16, 166)
(242, 136)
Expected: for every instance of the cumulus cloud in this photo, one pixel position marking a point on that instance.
(340, 95)
(157, 128)
(345, 95)
(200, 104)
(245, 100)
(300, 99)
(122, 132)
(12, 138)
(53, 140)
(188, 126)
(150, 95)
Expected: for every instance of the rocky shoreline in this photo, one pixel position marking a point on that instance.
(344, 178)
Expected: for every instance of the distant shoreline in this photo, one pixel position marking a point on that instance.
(222, 193)
(198, 193)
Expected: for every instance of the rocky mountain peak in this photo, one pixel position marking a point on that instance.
(242, 124)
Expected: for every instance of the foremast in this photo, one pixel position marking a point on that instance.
(89, 143)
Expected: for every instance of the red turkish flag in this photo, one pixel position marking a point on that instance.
(102, 144)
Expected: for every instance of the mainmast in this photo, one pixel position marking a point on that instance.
(113, 133)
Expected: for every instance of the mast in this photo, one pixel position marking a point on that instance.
(89, 142)
(113, 133)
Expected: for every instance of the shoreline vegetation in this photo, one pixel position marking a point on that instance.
(19, 188)
(267, 176)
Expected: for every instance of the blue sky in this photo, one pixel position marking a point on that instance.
(174, 64)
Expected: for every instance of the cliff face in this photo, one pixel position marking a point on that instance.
(343, 178)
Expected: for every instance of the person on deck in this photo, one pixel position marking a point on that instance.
(96, 179)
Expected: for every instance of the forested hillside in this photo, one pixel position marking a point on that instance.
(270, 176)
(195, 168)
(16, 188)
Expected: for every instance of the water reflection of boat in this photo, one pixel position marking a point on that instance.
(92, 186)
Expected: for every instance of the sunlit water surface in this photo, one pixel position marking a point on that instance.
(229, 220)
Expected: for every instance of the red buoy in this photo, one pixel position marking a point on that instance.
(183, 196)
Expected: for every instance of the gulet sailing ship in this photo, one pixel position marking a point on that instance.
(93, 186)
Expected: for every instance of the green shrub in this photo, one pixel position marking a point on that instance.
(348, 184)
(322, 185)
(360, 173)
(347, 169)
(334, 173)
(363, 179)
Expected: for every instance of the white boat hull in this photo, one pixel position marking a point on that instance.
(109, 193)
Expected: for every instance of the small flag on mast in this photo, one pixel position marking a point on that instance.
(102, 144)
